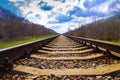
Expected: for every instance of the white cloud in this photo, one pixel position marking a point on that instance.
(53, 3)
(60, 9)
(104, 7)
(75, 23)
(117, 6)
(91, 0)
(15, 0)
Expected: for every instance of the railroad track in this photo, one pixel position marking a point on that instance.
(67, 58)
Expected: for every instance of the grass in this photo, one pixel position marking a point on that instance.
(117, 41)
(107, 38)
(13, 43)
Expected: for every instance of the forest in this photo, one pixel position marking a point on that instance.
(105, 29)
(14, 28)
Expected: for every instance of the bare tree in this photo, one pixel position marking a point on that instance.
(13, 27)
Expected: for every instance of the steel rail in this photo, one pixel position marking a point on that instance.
(103, 44)
(15, 52)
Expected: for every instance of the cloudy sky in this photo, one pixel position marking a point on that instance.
(61, 15)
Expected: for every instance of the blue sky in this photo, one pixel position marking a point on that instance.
(61, 15)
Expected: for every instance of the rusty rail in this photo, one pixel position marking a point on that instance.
(103, 44)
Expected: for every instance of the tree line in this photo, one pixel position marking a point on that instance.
(13, 27)
(105, 29)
